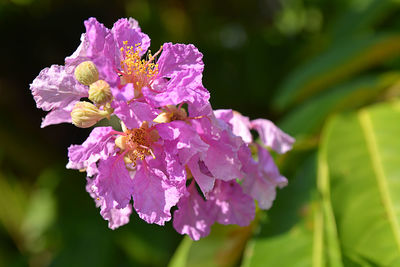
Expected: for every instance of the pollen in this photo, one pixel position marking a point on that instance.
(136, 143)
(140, 72)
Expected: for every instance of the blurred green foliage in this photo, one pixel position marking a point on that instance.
(296, 62)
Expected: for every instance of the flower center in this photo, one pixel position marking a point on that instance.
(136, 143)
(139, 72)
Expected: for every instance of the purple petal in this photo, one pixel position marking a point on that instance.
(115, 217)
(55, 88)
(97, 45)
(240, 124)
(175, 170)
(114, 182)
(193, 217)
(134, 114)
(180, 138)
(201, 174)
(179, 77)
(272, 136)
(58, 115)
(153, 195)
(261, 178)
(269, 169)
(179, 57)
(96, 34)
(129, 30)
(124, 93)
(221, 157)
(99, 144)
(186, 86)
(232, 206)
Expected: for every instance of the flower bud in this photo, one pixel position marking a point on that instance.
(163, 117)
(100, 93)
(86, 73)
(172, 114)
(85, 114)
(120, 142)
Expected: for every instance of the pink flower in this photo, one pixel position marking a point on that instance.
(173, 149)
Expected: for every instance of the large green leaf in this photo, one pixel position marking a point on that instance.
(292, 235)
(222, 248)
(361, 17)
(361, 154)
(337, 63)
(307, 118)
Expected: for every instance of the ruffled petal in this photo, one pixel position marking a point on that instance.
(129, 30)
(97, 45)
(99, 144)
(179, 78)
(193, 217)
(114, 183)
(179, 138)
(58, 115)
(116, 217)
(262, 177)
(221, 157)
(268, 167)
(186, 87)
(134, 114)
(153, 195)
(55, 88)
(201, 174)
(231, 205)
(96, 34)
(179, 57)
(272, 136)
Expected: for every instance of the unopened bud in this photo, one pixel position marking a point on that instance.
(100, 93)
(85, 114)
(172, 113)
(86, 73)
(120, 142)
(163, 117)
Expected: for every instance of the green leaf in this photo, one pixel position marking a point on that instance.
(308, 118)
(336, 64)
(180, 257)
(361, 153)
(222, 248)
(292, 235)
(361, 17)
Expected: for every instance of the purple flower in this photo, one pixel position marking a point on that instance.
(173, 149)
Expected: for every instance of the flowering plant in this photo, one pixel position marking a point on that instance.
(172, 148)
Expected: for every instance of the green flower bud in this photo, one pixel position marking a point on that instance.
(85, 114)
(86, 73)
(100, 93)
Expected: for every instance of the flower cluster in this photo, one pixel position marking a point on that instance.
(172, 149)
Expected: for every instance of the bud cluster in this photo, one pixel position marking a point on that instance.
(85, 114)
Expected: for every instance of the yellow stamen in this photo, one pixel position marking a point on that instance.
(139, 72)
(136, 143)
